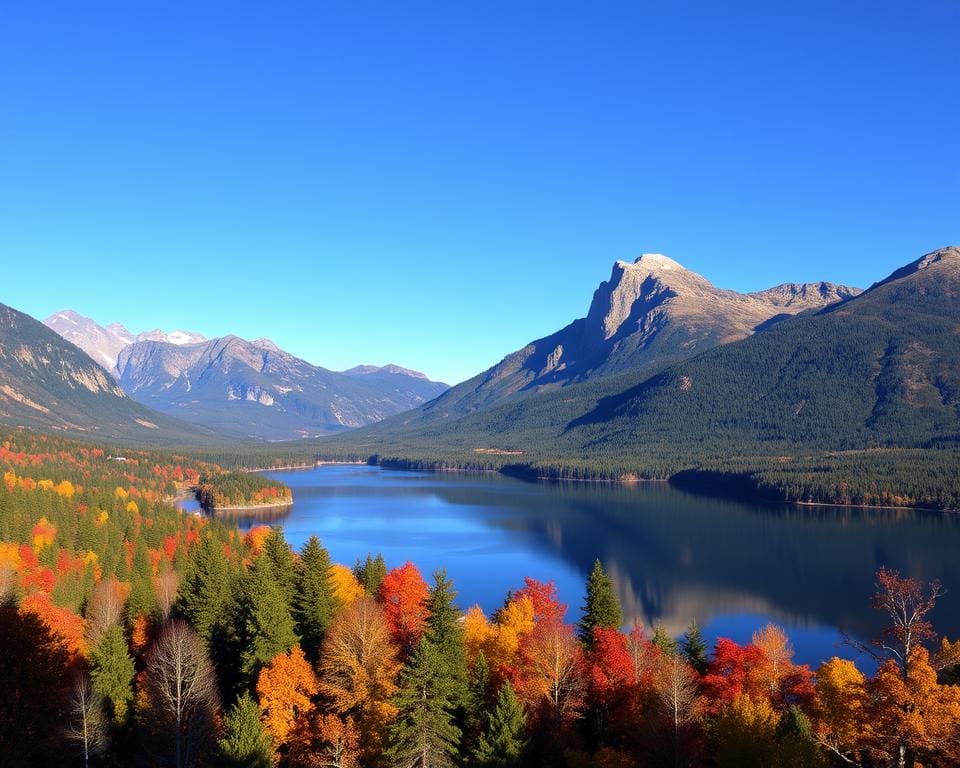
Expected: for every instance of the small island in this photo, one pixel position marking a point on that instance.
(241, 491)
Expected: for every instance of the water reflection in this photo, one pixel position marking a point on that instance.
(674, 556)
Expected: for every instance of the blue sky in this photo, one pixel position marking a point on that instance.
(435, 184)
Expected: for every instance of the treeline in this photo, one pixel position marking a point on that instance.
(239, 489)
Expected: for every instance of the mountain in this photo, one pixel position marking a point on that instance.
(49, 384)
(411, 388)
(261, 391)
(103, 343)
(859, 400)
(649, 314)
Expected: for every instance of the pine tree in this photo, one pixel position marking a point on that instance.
(478, 702)
(245, 743)
(602, 606)
(502, 743)
(205, 594)
(423, 734)
(694, 648)
(276, 549)
(112, 671)
(143, 600)
(663, 641)
(445, 633)
(264, 626)
(314, 603)
(371, 573)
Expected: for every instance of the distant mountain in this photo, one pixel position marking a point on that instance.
(259, 390)
(411, 388)
(852, 383)
(48, 384)
(649, 314)
(103, 343)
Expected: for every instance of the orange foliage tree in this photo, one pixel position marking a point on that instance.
(285, 689)
(404, 593)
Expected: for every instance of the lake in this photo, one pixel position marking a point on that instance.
(674, 556)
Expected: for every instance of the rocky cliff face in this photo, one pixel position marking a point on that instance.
(650, 313)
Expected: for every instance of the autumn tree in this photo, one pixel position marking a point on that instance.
(840, 724)
(324, 741)
(678, 696)
(423, 734)
(602, 606)
(285, 688)
(314, 602)
(182, 694)
(245, 742)
(403, 594)
(907, 603)
(105, 608)
(551, 674)
(32, 677)
(358, 669)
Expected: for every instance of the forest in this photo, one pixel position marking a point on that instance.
(137, 635)
(220, 490)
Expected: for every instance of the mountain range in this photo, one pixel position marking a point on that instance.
(50, 385)
(651, 312)
(855, 382)
(248, 389)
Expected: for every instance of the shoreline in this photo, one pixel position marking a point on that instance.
(629, 481)
(249, 507)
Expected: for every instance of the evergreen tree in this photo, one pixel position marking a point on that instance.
(143, 599)
(264, 626)
(205, 594)
(245, 743)
(694, 648)
(663, 641)
(445, 633)
(371, 573)
(112, 671)
(423, 734)
(602, 606)
(478, 702)
(277, 551)
(314, 603)
(502, 743)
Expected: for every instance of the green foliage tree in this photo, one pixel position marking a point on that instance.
(112, 671)
(662, 640)
(371, 573)
(445, 633)
(694, 648)
(314, 602)
(245, 743)
(278, 552)
(205, 595)
(263, 624)
(502, 743)
(423, 734)
(602, 606)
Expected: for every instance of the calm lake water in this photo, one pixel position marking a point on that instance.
(674, 556)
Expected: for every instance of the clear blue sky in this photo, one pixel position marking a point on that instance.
(435, 184)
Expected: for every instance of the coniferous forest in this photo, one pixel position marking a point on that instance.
(134, 634)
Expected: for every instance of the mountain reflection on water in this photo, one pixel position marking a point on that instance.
(674, 556)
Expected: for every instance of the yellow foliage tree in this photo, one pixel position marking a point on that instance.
(839, 722)
(346, 588)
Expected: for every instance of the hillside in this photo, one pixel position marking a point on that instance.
(877, 373)
(258, 390)
(47, 383)
(649, 314)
